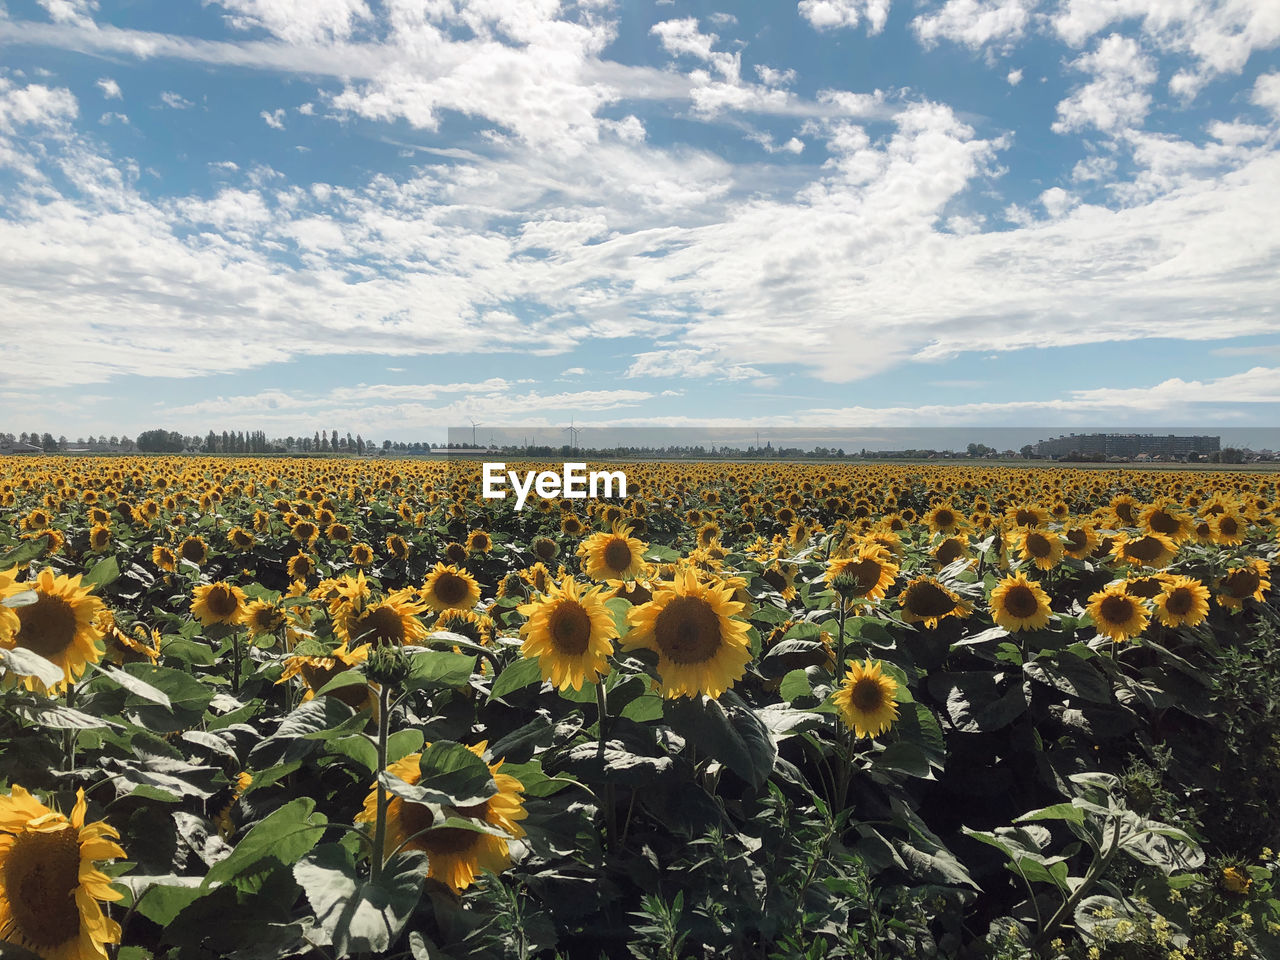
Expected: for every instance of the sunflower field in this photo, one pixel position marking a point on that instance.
(276, 708)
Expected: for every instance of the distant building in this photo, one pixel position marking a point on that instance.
(1128, 445)
(17, 446)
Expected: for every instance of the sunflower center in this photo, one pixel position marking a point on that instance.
(867, 695)
(950, 551)
(1021, 602)
(1241, 584)
(688, 630)
(1077, 538)
(570, 628)
(1147, 587)
(222, 602)
(380, 626)
(929, 600)
(48, 626)
(1024, 517)
(944, 518)
(1146, 549)
(42, 872)
(1179, 602)
(192, 550)
(1162, 522)
(1117, 609)
(617, 555)
(1125, 512)
(865, 571)
(450, 588)
(1039, 546)
(1228, 527)
(775, 579)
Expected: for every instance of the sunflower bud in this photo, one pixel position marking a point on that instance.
(846, 585)
(387, 665)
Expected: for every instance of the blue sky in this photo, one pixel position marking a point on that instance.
(394, 216)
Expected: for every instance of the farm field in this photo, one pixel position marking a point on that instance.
(274, 708)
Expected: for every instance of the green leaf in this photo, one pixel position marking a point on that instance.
(728, 730)
(28, 663)
(515, 676)
(24, 552)
(974, 702)
(287, 834)
(188, 698)
(355, 915)
(455, 771)
(439, 668)
(135, 685)
(1070, 674)
(347, 678)
(1058, 811)
(619, 607)
(357, 747)
(104, 573)
(906, 758)
(402, 743)
(161, 898)
(57, 717)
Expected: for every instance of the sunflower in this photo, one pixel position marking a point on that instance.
(951, 549)
(479, 541)
(1228, 528)
(865, 699)
(1042, 547)
(263, 617)
(59, 625)
(392, 621)
(1240, 584)
(782, 578)
(305, 532)
(50, 889)
(1020, 604)
(455, 856)
(9, 622)
(570, 526)
(398, 547)
(872, 568)
(612, 556)
(1183, 602)
(1165, 518)
(219, 602)
(300, 566)
(1126, 510)
(571, 632)
(240, 539)
(193, 550)
(99, 538)
(450, 588)
(926, 601)
(1116, 614)
(944, 519)
(317, 671)
(1150, 550)
(361, 554)
(701, 649)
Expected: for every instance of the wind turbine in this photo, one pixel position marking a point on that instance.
(474, 424)
(573, 435)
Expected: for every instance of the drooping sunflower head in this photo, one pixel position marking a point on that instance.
(193, 550)
(926, 601)
(1246, 581)
(455, 856)
(1020, 604)
(544, 548)
(1149, 550)
(392, 621)
(317, 671)
(398, 547)
(689, 624)
(950, 549)
(865, 699)
(240, 539)
(218, 603)
(99, 538)
(50, 889)
(612, 556)
(1182, 602)
(450, 588)
(263, 618)
(571, 632)
(300, 566)
(60, 625)
(361, 554)
(1117, 614)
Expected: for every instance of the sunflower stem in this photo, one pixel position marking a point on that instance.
(380, 820)
(235, 662)
(69, 736)
(602, 703)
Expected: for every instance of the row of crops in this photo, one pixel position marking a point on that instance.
(273, 708)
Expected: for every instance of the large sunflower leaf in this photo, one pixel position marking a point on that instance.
(282, 837)
(455, 771)
(28, 663)
(516, 676)
(353, 914)
(728, 730)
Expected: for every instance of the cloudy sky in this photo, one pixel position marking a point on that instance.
(393, 216)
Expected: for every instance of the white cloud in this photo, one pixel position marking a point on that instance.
(35, 105)
(837, 14)
(1266, 92)
(1057, 201)
(975, 23)
(1014, 77)
(110, 89)
(1116, 98)
(274, 119)
(574, 372)
(771, 77)
(1098, 167)
(299, 21)
(688, 363)
(70, 11)
(175, 101)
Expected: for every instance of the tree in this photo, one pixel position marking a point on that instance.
(50, 445)
(1026, 451)
(386, 446)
